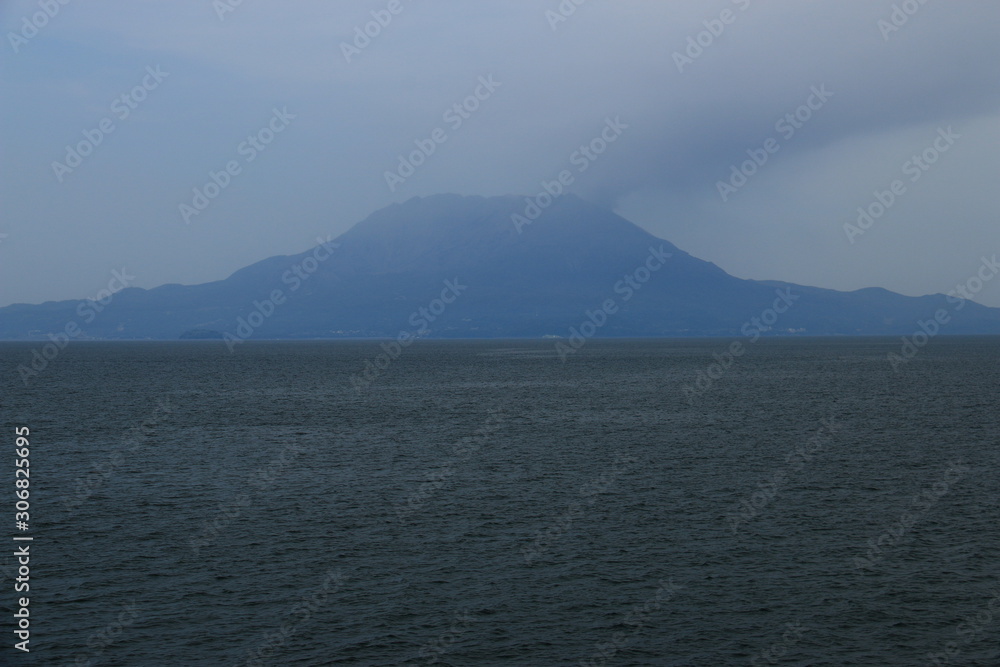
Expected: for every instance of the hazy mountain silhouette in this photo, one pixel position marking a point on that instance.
(539, 280)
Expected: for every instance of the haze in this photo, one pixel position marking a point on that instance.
(300, 131)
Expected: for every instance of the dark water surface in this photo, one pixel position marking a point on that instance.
(483, 503)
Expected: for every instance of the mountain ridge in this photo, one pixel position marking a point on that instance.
(530, 280)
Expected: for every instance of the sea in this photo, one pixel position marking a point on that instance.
(503, 502)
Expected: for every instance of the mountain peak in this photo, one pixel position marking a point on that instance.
(527, 267)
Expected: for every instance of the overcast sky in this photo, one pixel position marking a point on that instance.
(198, 80)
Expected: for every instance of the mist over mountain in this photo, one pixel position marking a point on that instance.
(451, 266)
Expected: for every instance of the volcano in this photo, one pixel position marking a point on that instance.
(450, 266)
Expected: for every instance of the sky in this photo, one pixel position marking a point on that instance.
(176, 141)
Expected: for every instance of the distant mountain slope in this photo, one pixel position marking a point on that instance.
(574, 259)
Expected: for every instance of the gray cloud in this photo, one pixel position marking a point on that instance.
(557, 86)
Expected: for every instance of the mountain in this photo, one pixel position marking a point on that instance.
(480, 267)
